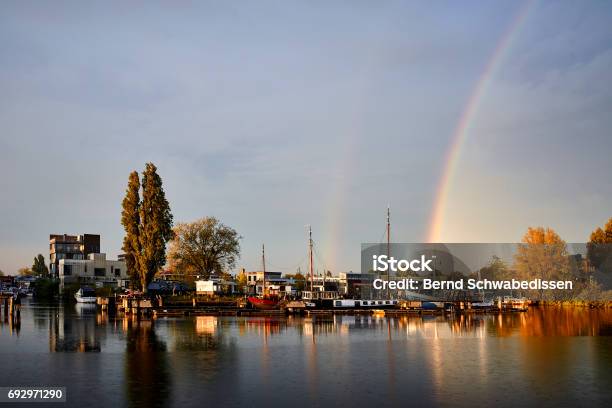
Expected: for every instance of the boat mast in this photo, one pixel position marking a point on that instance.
(263, 263)
(310, 258)
(388, 247)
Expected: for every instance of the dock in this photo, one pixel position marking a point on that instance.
(167, 308)
(9, 308)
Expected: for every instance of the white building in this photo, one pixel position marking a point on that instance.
(275, 284)
(215, 286)
(94, 271)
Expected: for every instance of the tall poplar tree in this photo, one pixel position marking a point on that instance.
(155, 225)
(130, 218)
(599, 247)
(39, 268)
(147, 221)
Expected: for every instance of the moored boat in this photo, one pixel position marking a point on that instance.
(85, 295)
(432, 305)
(483, 305)
(376, 304)
(516, 304)
(263, 303)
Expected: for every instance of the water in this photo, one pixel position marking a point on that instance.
(546, 357)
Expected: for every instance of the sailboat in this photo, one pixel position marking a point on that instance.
(265, 301)
(317, 298)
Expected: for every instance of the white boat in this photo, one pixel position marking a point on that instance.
(85, 295)
(482, 305)
(365, 303)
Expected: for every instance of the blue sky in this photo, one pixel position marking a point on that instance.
(274, 115)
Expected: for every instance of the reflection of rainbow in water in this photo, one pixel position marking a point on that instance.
(467, 118)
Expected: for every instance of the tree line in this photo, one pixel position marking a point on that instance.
(543, 254)
(207, 247)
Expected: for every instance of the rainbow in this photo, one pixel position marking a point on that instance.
(466, 119)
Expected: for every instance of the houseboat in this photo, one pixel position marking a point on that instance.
(365, 303)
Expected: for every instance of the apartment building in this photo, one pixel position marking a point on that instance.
(96, 270)
(77, 247)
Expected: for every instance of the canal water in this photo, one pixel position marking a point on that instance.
(545, 357)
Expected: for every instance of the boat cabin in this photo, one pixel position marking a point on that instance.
(319, 295)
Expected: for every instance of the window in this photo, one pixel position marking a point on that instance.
(67, 270)
(100, 271)
(117, 271)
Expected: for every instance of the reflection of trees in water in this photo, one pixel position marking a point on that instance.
(553, 321)
(559, 321)
(602, 356)
(211, 355)
(536, 322)
(199, 334)
(147, 377)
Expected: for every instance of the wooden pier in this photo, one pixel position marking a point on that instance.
(9, 307)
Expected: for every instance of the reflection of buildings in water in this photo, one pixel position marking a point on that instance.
(391, 363)
(538, 321)
(483, 351)
(206, 324)
(200, 333)
(310, 349)
(78, 332)
(322, 325)
(435, 364)
(264, 326)
(307, 325)
(468, 324)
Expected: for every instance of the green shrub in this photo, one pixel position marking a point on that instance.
(45, 288)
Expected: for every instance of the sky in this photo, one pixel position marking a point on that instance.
(276, 115)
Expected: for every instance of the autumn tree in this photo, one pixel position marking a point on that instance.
(130, 219)
(25, 271)
(203, 247)
(147, 221)
(39, 268)
(599, 247)
(542, 254)
(241, 281)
